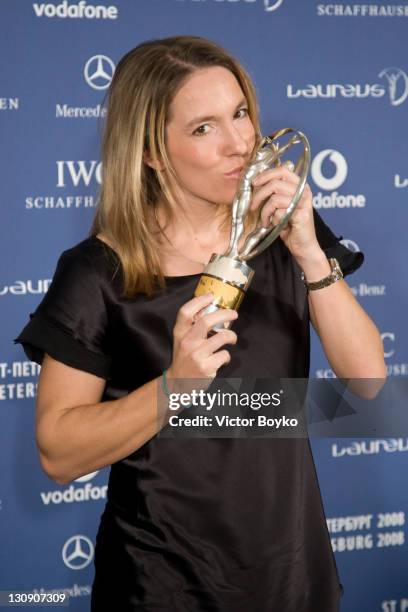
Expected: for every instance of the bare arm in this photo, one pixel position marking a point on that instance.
(349, 337)
(77, 433)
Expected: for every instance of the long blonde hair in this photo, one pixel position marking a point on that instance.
(144, 84)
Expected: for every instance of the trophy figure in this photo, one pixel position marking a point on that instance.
(228, 276)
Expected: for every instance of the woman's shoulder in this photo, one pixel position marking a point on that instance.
(93, 255)
(71, 322)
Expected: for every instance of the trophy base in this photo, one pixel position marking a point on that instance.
(228, 279)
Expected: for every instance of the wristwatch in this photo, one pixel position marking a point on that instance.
(335, 275)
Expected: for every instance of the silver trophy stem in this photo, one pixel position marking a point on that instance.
(269, 153)
(228, 276)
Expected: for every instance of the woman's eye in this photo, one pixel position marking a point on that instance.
(201, 130)
(242, 112)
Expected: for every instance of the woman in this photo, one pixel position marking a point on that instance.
(193, 524)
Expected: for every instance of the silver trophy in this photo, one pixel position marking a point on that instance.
(228, 276)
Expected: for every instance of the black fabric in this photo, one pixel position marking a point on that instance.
(71, 322)
(229, 525)
(349, 261)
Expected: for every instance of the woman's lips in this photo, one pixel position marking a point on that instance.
(235, 173)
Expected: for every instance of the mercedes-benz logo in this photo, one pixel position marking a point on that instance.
(270, 5)
(397, 84)
(98, 71)
(77, 552)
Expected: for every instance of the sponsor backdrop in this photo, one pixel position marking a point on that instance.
(337, 71)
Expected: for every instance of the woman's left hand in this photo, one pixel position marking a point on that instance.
(273, 190)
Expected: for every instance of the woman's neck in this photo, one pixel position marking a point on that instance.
(191, 234)
(202, 223)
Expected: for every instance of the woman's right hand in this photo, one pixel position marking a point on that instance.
(195, 355)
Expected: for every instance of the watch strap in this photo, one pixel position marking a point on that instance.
(335, 275)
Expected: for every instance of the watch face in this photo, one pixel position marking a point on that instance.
(336, 268)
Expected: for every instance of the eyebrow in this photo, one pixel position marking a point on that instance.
(212, 117)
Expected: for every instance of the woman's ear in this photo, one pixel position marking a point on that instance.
(153, 163)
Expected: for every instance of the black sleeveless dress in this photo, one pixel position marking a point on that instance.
(221, 524)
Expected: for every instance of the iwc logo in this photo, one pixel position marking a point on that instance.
(389, 339)
(78, 174)
(361, 10)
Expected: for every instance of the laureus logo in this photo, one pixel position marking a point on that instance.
(397, 84)
(270, 5)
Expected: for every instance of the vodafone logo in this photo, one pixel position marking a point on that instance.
(72, 493)
(82, 10)
(329, 170)
(339, 163)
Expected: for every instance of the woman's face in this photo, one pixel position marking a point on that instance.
(209, 136)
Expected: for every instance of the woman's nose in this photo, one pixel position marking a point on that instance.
(235, 142)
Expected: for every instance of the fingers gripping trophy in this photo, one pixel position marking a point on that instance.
(228, 276)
